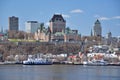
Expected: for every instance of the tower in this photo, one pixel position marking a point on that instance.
(97, 28)
(13, 23)
(91, 33)
(57, 24)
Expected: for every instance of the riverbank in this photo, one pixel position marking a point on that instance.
(60, 63)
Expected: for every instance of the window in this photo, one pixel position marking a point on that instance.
(59, 19)
(56, 19)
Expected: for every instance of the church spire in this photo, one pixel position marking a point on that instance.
(97, 22)
(91, 33)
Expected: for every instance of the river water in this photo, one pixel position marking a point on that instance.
(59, 72)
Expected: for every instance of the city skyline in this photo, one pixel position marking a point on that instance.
(79, 14)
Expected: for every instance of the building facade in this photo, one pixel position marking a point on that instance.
(57, 24)
(57, 31)
(13, 23)
(32, 26)
(97, 28)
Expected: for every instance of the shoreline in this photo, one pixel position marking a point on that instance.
(2, 63)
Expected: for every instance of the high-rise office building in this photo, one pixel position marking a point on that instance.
(32, 26)
(97, 28)
(13, 23)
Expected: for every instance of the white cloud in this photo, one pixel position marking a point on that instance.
(65, 16)
(106, 18)
(118, 24)
(116, 17)
(76, 11)
(103, 18)
(57, 13)
(97, 16)
(47, 23)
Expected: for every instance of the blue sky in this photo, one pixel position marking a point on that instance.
(79, 14)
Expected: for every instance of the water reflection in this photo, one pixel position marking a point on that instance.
(59, 72)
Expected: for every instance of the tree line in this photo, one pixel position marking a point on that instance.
(11, 48)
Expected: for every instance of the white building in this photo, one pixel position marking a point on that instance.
(32, 26)
(97, 28)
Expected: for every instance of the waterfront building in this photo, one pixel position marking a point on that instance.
(32, 26)
(13, 23)
(97, 28)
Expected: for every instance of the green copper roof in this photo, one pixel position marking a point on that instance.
(59, 34)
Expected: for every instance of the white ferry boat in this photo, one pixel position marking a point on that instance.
(37, 61)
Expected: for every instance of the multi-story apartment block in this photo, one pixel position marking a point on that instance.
(32, 26)
(13, 23)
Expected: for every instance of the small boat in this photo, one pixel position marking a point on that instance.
(55, 61)
(85, 62)
(37, 61)
(1, 63)
(97, 63)
(114, 64)
(78, 63)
